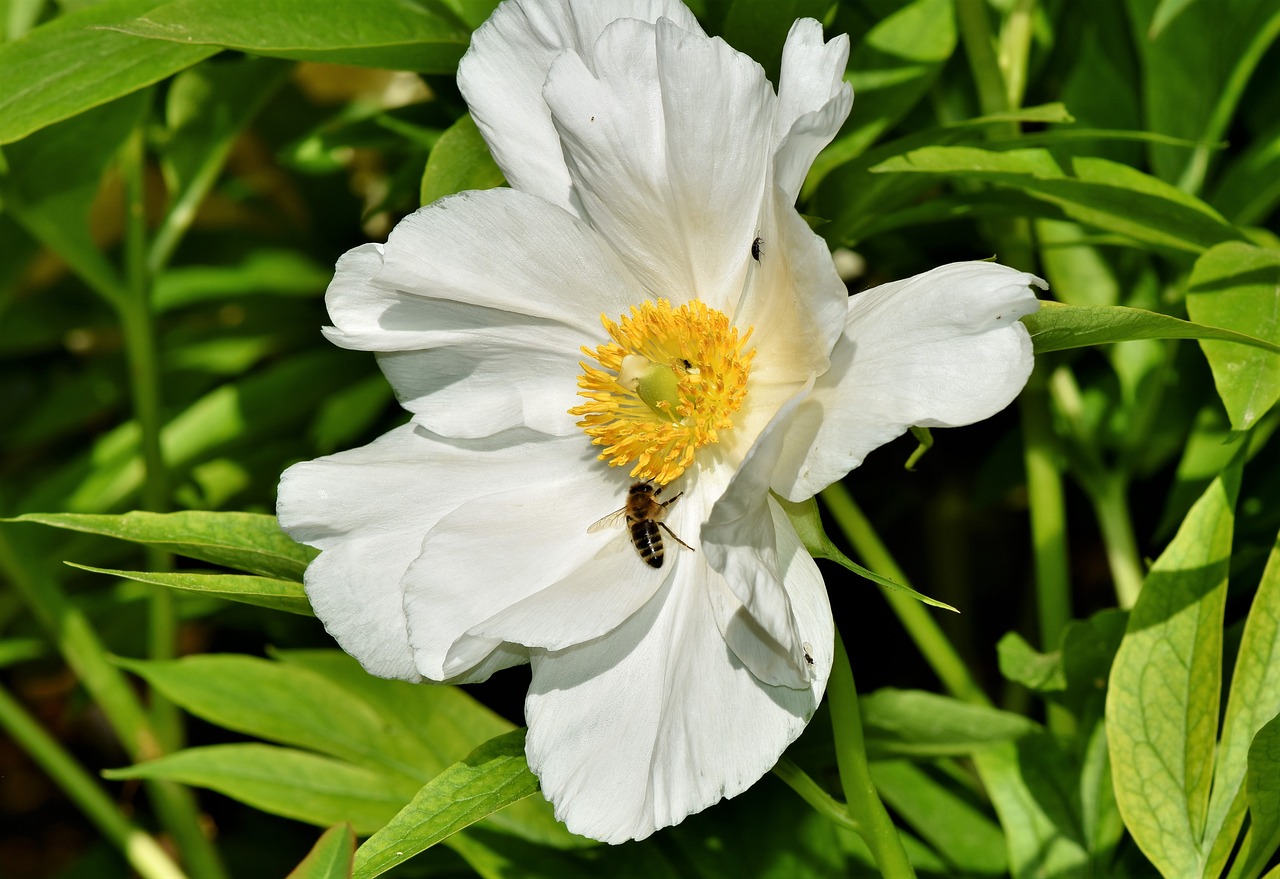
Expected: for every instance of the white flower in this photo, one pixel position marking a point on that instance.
(653, 175)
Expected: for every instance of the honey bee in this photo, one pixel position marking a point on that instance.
(643, 514)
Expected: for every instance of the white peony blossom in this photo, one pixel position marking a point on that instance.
(643, 305)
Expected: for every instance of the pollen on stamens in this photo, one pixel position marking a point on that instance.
(668, 383)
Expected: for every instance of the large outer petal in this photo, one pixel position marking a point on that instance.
(522, 532)
(813, 101)
(368, 511)
(478, 306)
(503, 72)
(659, 720)
(941, 349)
(667, 137)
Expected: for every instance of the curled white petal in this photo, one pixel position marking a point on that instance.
(941, 349)
(813, 101)
(502, 74)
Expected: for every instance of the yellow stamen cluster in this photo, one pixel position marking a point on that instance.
(670, 380)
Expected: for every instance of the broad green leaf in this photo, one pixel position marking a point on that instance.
(247, 541)
(286, 595)
(1253, 702)
(490, 777)
(447, 723)
(70, 65)
(890, 69)
(966, 838)
(1236, 286)
(472, 12)
(1023, 664)
(1058, 327)
(291, 705)
(407, 35)
(54, 177)
(460, 160)
(282, 781)
(1194, 73)
(1029, 783)
(915, 723)
(1162, 699)
(1262, 790)
(1103, 194)
(759, 27)
(330, 857)
(266, 271)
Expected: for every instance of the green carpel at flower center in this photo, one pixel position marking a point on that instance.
(670, 380)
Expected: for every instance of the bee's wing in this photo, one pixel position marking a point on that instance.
(614, 518)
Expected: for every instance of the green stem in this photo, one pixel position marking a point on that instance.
(1047, 503)
(107, 685)
(144, 375)
(979, 47)
(914, 616)
(809, 790)
(860, 795)
(1015, 48)
(1110, 497)
(143, 853)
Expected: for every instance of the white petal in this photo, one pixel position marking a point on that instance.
(502, 74)
(367, 510)
(526, 530)
(742, 543)
(667, 141)
(941, 349)
(813, 101)
(488, 298)
(636, 730)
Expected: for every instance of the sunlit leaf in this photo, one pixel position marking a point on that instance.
(918, 723)
(490, 777)
(1162, 701)
(409, 35)
(1058, 327)
(282, 781)
(286, 595)
(1237, 287)
(70, 65)
(330, 857)
(247, 541)
(460, 160)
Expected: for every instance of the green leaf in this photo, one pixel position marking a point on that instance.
(446, 723)
(807, 521)
(1262, 791)
(961, 833)
(1253, 702)
(330, 857)
(54, 176)
(1101, 193)
(1162, 701)
(1166, 12)
(1236, 286)
(1028, 783)
(69, 65)
(916, 723)
(459, 161)
(891, 68)
(247, 541)
(291, 705)
(1023, 664)
(490, 777)
(407, 35)
(282, 781)
(266, 271)
(286, 595)
(1058, 327)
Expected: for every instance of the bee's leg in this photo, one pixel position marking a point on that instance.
(673, 500)
(663, 526)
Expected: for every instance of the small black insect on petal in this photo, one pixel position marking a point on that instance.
(757, 247)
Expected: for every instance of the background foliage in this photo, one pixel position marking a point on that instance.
(176, 181)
